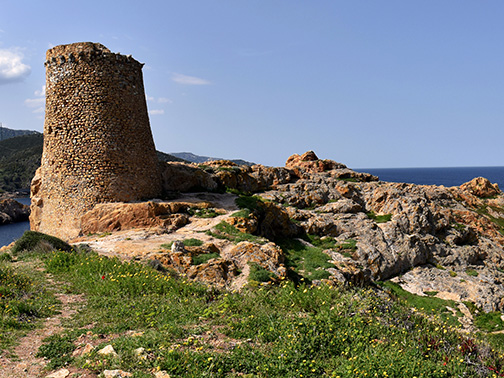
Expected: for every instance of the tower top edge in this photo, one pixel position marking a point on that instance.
(83, 49)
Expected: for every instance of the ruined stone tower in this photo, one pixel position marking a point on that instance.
(98, 145)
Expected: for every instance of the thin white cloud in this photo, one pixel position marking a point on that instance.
(149, 98)
(189, 80)
(37, 103)
(156, 112)
(41, 92)
(12, 67)
(164, 100)
(34, 102)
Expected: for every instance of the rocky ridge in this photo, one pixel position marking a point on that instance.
(426, 238)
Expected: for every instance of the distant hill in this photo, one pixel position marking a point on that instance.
(202, 159)
(20, 157)
(167, 157)
(6, 133)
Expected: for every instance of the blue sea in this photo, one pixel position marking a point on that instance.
(438, 176)
(11, 232)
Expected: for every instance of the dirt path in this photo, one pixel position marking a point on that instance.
(24, 364)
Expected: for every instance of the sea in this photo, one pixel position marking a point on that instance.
(421, 176)
(11, 232)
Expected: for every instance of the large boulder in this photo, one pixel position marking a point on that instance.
(12, 211)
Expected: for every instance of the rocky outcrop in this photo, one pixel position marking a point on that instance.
(12, 211)
(168, 216)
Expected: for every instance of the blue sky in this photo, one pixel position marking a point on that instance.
(371, 84)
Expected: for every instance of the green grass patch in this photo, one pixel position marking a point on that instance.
(24, 300)
(259, 274)
(309, 262)
(379, 218)
(192, 242)
(252, 203)
(202, 213)
(245, 213)
(472, 272)
(224, 230)
(427, 304)
(489, 322)
(203, 258)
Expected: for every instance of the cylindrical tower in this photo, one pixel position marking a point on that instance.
(98, 146)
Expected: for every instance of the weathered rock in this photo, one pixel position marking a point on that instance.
(108, 350)
(481, 187)
(123, 216)
(116, 374)
(269, 256)
(12, 211)
(180, 177)
(62, 373)
(309, 162)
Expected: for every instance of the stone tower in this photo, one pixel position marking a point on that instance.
(98, 146)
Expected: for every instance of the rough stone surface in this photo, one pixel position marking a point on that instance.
(12, 211)
(98, 145)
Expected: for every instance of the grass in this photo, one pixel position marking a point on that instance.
(309, 262)
(379, 218)
(472, 272)
(278, 331)
(224, 230)
(24, 301)
(202, 213)
(429, 304)
(203, 258)
(284, 330)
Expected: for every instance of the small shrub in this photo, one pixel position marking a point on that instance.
(5, 257)
(166, 245)
(259, 274)
(32, 239)
(452, 273)
(251, 203)
(440, 267)
(472, 272)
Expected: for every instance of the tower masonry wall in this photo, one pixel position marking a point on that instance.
(98, 145)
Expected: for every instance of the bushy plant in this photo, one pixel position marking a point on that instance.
(32, 240)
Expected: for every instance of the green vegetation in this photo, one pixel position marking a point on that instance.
(276, 330)
(202, 213)
(499, 221)
(259, 274)
(35, 241)
(226, 231)
(252, 203)
(19, 159)
(309, 262)
(472, 272)
(428, 304)
(191, 242)
(204, 257)
(245, 213)
(379, 218)
(24, 300)
(489, 322)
